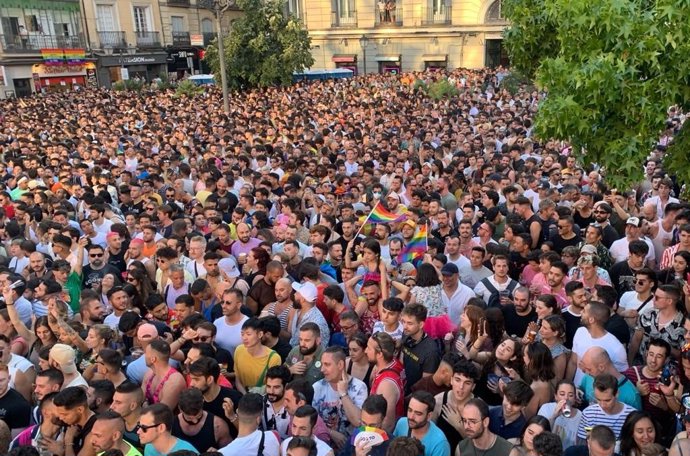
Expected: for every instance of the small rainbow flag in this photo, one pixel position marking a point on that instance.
(416, 248)
(382, 215)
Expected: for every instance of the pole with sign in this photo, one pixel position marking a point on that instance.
(124, 73)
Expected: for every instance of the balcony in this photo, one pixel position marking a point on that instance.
(148, 39)
(438, 16)
(16, 44)
(178, 3)
(389, 14)
(113, 40)
(344, 19)
(181, 39)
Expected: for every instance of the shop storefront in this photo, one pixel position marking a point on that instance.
(347, 61)
(59, 78)
(388, 63)
(144, 66)
(435, 62)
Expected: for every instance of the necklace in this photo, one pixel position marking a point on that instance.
(483, 452)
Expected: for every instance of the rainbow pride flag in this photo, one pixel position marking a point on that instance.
(414, 251)
(382, 215)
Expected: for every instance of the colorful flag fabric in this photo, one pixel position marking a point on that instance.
(414, 251)
(382, 215)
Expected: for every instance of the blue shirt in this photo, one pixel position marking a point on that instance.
(435, 442)
(497, 424)
(627, 391)
(149, 450)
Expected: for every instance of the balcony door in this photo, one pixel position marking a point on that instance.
(105, 18)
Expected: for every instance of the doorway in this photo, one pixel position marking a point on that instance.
(22, 87)
(496, 54)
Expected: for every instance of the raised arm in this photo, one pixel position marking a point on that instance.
(18, 324)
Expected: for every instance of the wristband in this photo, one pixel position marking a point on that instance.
(343, 395)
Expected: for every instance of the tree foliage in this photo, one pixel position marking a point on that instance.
(264, 47)
(611, 69)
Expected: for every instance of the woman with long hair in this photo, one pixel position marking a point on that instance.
(357, 364)
(563, 416)
(505, 363)
(679, 270)
(639, 430)
(552, 334)
(471, 320)
(140, 280)
(98, 337)
(108, 282)
(533, 427)
(369, 267)
(491, 333)
(18, 344)
(539, 373)
(257, 259)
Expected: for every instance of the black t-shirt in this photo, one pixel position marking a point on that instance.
(527, 223)
(15, 411)
(419, 358)
(610, 236)
(92, 277)
(516, 325)
(572, 323)
(216, 406)
(516, 266)
(118, 260)
(559, 243)
(262, 293)
(622, 277)
(282, 348)
(619, 328)
(443, 237)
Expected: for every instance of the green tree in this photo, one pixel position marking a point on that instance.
(611, 68)
(264, 47)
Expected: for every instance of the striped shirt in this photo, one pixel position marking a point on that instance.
(594, 415)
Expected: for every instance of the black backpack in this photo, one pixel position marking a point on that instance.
(495, 298)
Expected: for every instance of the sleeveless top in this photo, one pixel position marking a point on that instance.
(449, 431)
(152, 397)
(658, 241)
(367, 376)
(393, 372)
(202, 440)
(80, 438)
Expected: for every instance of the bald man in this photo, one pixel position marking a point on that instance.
(282, 305)
(596, 361)
(244, 243)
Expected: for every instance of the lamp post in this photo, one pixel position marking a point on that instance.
(220, 7)
(364, 42)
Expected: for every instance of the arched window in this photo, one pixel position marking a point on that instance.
(495, 13)
(207, 26)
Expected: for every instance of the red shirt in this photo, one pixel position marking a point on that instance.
(394, 372)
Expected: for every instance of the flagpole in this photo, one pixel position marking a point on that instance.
(366, 219)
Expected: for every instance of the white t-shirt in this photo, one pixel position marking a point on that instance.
(379, 326)
(565, 428)
(249, 445)
(619, 250)
(229, 336)
(583, 341)
(322, 448)
(629, 301)
(17, 364)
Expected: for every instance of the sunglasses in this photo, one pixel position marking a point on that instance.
(95, 255)
(131, 279)
(202, 338)
(145, 428)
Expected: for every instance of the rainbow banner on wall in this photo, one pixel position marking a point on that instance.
(53, 56)
(74, 56)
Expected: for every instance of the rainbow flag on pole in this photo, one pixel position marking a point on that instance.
(414, 251)
(382, 215)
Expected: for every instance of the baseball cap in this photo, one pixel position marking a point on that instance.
(307, 290)
(147, 331)
(635, 221)
(393, 195)
(587, 248)
(229, 266)
(449, 269)
(64, 356)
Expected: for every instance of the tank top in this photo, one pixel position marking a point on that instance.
(202, 440)
(367, 376)
(393, 372)
(658, 241)
(449, 431)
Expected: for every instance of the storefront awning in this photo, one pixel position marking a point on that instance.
(435, 57)
(41, 5)
(387, 58)
(344, 58)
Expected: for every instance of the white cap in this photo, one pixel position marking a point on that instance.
(229, 266)
(306, 290)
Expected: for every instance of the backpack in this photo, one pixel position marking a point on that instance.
(495, 298)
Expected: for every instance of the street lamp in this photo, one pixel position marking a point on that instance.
(220, 7)
(364, 42)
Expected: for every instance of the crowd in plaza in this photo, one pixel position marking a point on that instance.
(176, 280)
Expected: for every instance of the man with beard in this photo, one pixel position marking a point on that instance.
(366, 305)
(127, 402)
(519, 314)
(169, 383)
(304, 360)
(73, 410)
(418, 424)
(602, 213)
(262, 292)
(91, 310)
(556, 280)
(116, 252)
(107, 434)
(478, 437)
(388, 382)
(381, 233)
(466, 242)
(593, 333)
(444, 230)
(195, 425)
(307, 312)
(230, 324)
(454, 256)
(275, 416)
(302, 426)
(47, 381)
(97, 267)
(15, 410)
(203, 375)
(135, 252)
(119, 301)
(244, 244)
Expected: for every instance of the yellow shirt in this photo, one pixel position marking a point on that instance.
(250, 370)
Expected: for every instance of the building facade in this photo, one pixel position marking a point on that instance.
(403, 35)
(42, 47)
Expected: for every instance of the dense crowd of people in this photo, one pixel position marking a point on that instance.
(177, 280)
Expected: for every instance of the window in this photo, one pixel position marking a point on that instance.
(105, 18)
(495, 14)
(294, 7)
(207, 26)
(177, 23)
(141, 19)
(344, 13)
(61, 29)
